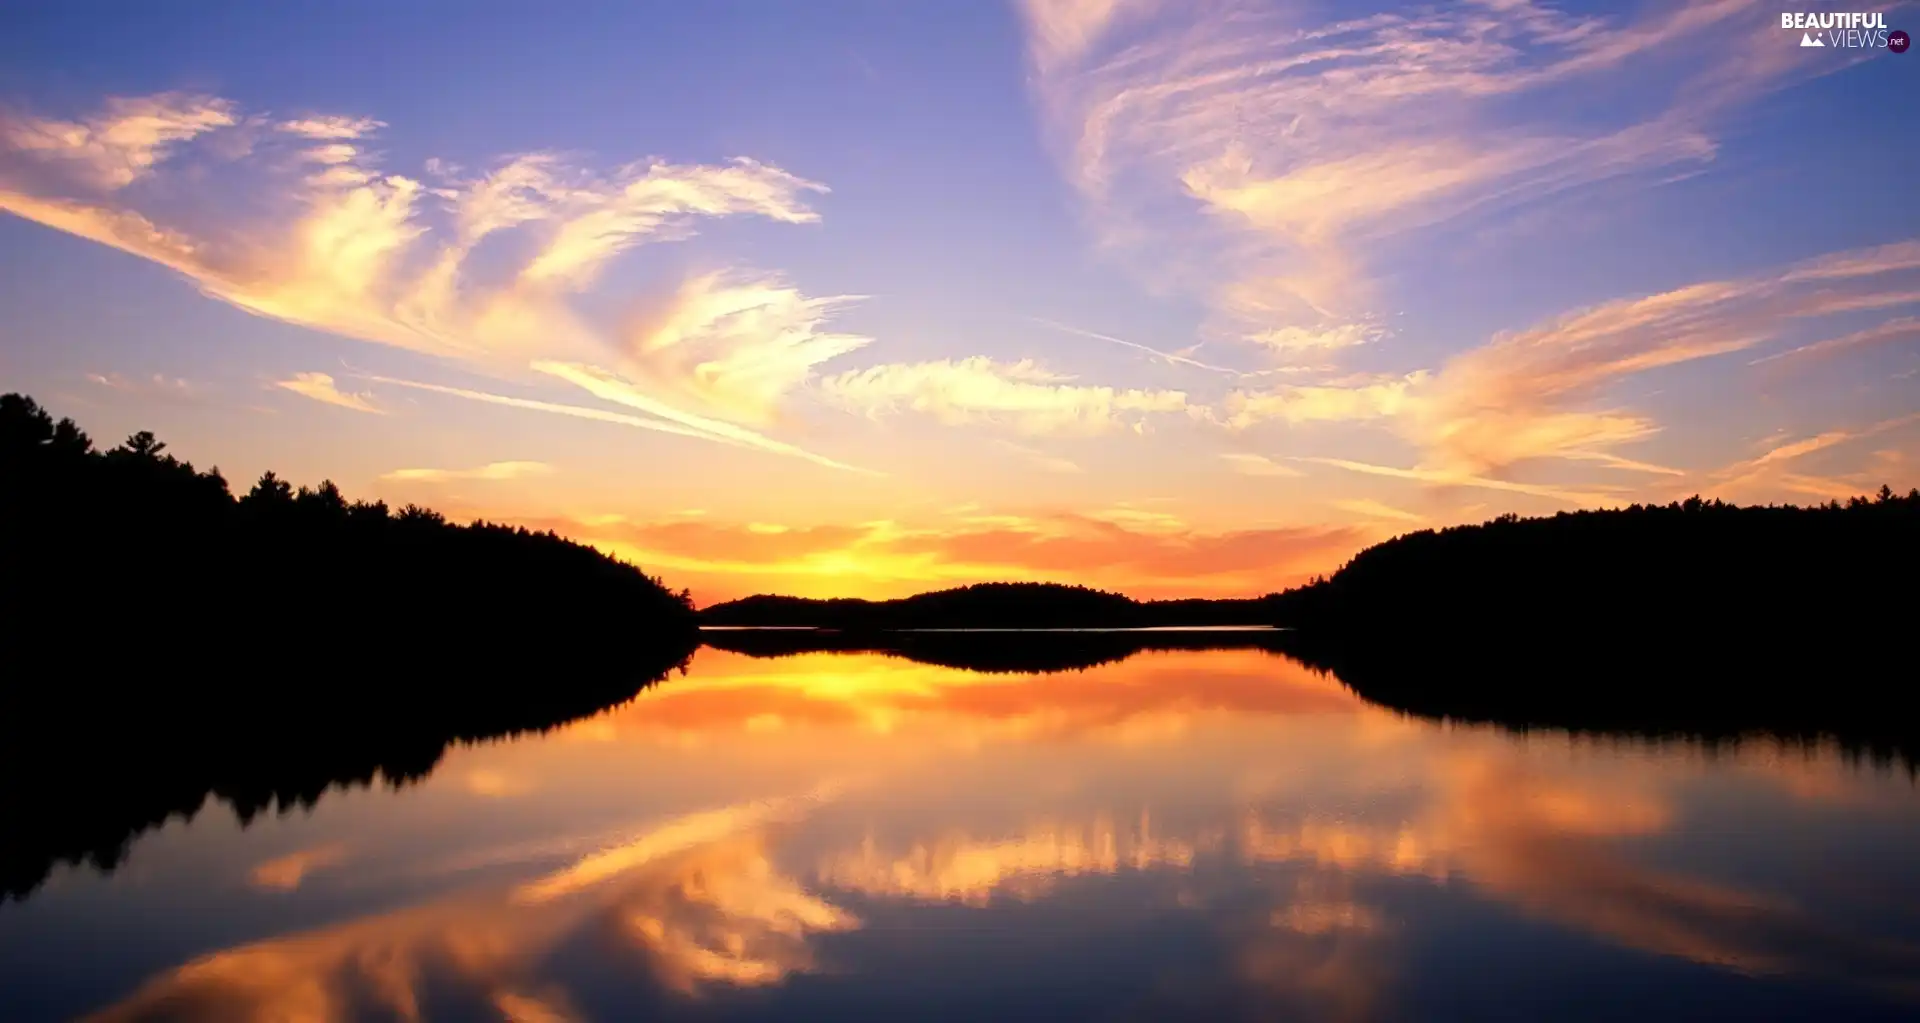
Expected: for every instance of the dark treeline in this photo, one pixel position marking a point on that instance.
(987, 652)
(1379, 677)
(1698, 617)
(165, 640)
(82, 798)
(989, 606)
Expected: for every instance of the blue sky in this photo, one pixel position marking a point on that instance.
(1399, 266)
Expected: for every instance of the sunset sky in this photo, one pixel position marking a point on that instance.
(870, 298)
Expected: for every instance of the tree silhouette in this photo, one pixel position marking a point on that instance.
(144, 445)
(270, 489)
(165, 641)
(1697, 616)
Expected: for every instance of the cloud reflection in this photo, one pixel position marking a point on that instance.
(1149, 697)
(285, 873)
(696, 901)
(960, 869)
(1298, 835)
(1548, 844)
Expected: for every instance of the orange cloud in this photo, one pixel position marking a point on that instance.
(489, 471)
(1540, 394)
(321, 388)
(1324, 403)
(1378, 510)
(1773, 467)
(1532, 394)
(611, 387)
(122, 142)
(287, 872)
(1442, 478)
(349, 248)
(694, 903)
(737, 345)
(1258, 465)
(958, 868)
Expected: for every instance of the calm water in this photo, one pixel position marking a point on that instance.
(1215, 835)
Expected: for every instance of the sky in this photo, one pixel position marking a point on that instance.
(1175, 299)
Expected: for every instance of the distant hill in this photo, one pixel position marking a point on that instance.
(988, 606)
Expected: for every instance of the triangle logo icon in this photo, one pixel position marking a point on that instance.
(1807, 39)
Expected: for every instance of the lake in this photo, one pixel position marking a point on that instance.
(1199, 834)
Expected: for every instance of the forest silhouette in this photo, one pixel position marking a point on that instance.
(167, 641)
(1696, 618)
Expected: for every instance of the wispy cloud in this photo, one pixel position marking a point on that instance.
(737, 345)
(1257, 465)
(1542, 393)
(611, 387)
(1436, 477)
(1179, 358)
(326, 127)
(118, 145)
(341, 245)
(1898, 329)
(1307, 146)
(1041, 459)
(1772, 466)
(1062, 31)
(744, 438)
(159, 385)
(321, 387)
(1376, 510)
(382, 257)
(1333, 402)
(1294, 340)
(489, 471)
(1537, 393)
(1021, 394)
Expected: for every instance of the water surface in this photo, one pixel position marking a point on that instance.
(1189, 834)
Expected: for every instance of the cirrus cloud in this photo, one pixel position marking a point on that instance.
(489, 471)
(332, 241)
(121, 143)
(1305, 146)
(1541, 393)
(1023, 395)
(321, 388)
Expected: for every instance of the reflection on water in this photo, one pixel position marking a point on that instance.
(1214, 834)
